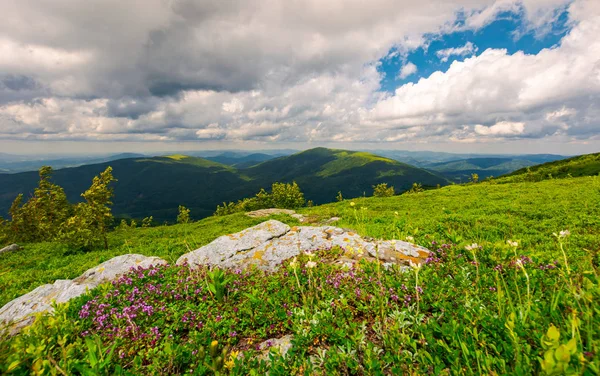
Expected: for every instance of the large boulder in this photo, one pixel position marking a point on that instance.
(20, 312)
(270, 243)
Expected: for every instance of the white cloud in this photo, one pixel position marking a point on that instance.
(503, 128)
(466, 50)
(496, 87)
(407, 70)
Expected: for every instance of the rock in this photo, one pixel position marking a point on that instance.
(111, 269)
(270, 243)
(267, 212)
(228, 246)
(299, 217)
(20, 312)
(332, 220)
(281, 345)
(10, 248)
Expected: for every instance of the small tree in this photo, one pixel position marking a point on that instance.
(184, 214)
(475, 178)
(41, 216)
(382, 190)
(339, 197)
(88, 227)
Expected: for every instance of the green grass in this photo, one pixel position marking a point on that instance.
(529, 212)
(582, 165)
(346, 160)
(40, 263)
(492, 310)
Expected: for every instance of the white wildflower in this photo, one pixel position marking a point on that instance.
(410, 239)
(311, 264)
(472, 247)
(512, 243)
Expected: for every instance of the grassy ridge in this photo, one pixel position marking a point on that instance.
(480, 213)
(157, 186)
(583, 165)
(528, 306)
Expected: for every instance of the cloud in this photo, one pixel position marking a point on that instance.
(539, 91)
(281, 71)
(503, 128)
(407, 70)
(468, 49)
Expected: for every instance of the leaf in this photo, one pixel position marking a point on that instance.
(553, 333)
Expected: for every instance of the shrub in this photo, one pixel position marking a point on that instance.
(287, 196)
(282, 196)
(147, 222)
(416, 188)
(382, 190)
(184, 215)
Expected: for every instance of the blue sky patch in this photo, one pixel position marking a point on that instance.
(504, 32)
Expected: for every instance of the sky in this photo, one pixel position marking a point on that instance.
(481, 76)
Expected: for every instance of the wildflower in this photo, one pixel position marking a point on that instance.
(415, 265)
(396, 213)
(410, 239)
(352, 203)
(294, 263)
(564, 233)
(311, 264)
(512, 243)
(472, 247)
(309, 254)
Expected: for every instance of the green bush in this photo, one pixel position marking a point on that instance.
(184, 215)
(382, 190)
(282, 196)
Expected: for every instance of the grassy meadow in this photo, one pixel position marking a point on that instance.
(511, 288)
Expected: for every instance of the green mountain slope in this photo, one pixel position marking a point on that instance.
(583, 165)
(146, 186)
(157, 186)
(461, 170)
(322, 172)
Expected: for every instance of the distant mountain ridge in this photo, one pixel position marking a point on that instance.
(157, 185)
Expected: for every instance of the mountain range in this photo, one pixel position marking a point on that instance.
(158, 185)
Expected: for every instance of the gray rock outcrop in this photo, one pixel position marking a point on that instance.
(20, 312)
(270, 243)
